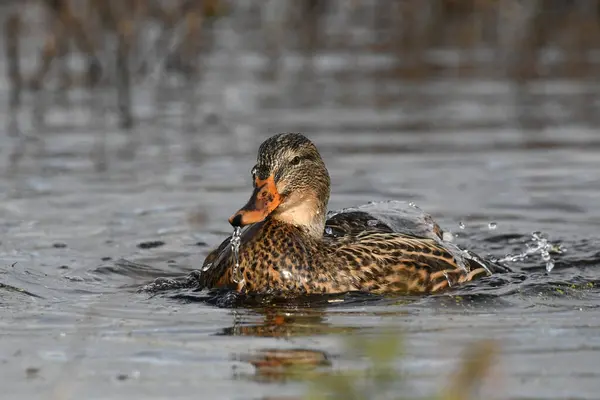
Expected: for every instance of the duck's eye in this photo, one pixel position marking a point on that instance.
(295, 161)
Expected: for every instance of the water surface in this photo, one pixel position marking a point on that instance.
(77, 195)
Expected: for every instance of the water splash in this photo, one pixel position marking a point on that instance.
(447, 236)
(461, 225)
(492, 226)
(548, 260)
(474, 257)
(236, 241)
(447, 278)
(539, 244)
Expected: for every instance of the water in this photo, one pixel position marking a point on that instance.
(77, 196)
(539, 244)
(75, 312)
(236, 240)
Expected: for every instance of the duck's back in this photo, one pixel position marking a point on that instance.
(384, 216)
(409, 227)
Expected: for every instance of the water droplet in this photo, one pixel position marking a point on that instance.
(492, 226)
(545, 256)
(372, 222)
(207, 267)
(286, 274)
(549, 265)
(412, 204)
(236, 241)
(461, 225)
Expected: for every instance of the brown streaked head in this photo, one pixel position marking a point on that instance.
(291, 183)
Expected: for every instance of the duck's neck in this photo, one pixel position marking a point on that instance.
(307, 213)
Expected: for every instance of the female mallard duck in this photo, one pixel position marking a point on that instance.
(289, 247)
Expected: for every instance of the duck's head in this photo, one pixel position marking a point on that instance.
(291, 184)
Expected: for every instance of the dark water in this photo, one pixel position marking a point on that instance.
(77, 195)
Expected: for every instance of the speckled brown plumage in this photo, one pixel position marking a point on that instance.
(290, 250)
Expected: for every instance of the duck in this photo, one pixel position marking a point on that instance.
(289, 244)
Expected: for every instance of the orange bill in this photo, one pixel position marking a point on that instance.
(263, 201)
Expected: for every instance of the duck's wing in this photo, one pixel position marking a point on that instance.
(353, 222)
(217, 266)
(408, 223)
(385, 216)
(405, 263)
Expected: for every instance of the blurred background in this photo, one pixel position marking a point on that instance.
(228, 63)
(128, 129)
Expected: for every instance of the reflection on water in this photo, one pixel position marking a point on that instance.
(286, 323)
(279, 365)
